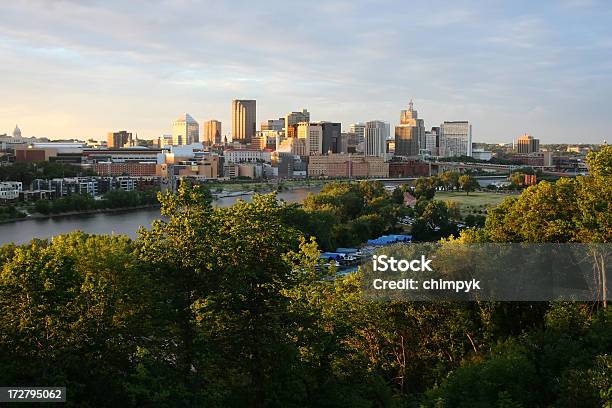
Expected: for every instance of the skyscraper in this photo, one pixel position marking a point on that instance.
(527, 144)
(312, 134)
(185, 130)
(293, 118)
(331, 132)
(117, 140)
(212, 132)
(432, 141)
(359, 130)
(410, 133)
(375, 135)
(244, 120)
(455, 139)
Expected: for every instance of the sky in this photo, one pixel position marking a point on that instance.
(79, 69)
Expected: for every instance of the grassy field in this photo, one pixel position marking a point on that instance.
(476, 202)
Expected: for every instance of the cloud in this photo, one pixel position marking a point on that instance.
(140, 63)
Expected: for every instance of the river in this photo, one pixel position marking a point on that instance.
(125, 222)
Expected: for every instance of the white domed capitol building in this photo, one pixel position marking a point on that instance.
(17, 132)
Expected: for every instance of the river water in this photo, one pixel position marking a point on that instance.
(126, 223)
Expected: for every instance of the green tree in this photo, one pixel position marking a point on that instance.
(468, 183)
(42, 206)
(449, 180)
(398, 195)
(536, 369)
(517, 179)
(73, 312)
(433, 221)
(567, 210)
(600, 162)
(226, 273)
(424, 188)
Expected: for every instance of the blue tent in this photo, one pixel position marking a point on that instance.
(390, 239)
(331, 256)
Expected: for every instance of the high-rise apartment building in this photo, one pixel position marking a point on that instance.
(455, 139)
(118, 139)
(376, 135)
(359, 130)
(185, 130)
(244, 120)
(527, 144)
(212, 132)
(312, 134)
(410, 133)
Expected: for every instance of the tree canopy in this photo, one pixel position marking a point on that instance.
(232, 307)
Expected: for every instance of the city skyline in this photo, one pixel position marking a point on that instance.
(508, 69)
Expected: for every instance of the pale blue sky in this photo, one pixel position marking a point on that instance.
(82, 68)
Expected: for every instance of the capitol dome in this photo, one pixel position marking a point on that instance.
(17, 132)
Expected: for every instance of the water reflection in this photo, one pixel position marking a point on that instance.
(126, 223)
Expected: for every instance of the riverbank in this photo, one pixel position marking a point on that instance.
(125, 221)
(262, 187)
(38, 216)
(248, 189)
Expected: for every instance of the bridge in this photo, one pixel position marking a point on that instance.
(508, 168)
(405, 179)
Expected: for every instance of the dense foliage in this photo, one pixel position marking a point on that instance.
(345, 214)
(576, 210)
(112, 199)
(10, 212)
(228, 307)
(28, 172)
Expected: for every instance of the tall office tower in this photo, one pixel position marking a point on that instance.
(527, 144)
(212, 132)
(273, 124)
(312, 134)
(432, 141)
(244, 120)
(456, 139)
(376, 134)
(343, 143)
(293, 118)
(331, 132)
(410, 133)
(359, 130)
(351, 142)
(185, 130)
(118, 139)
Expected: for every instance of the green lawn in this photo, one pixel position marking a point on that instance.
(476, 202)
